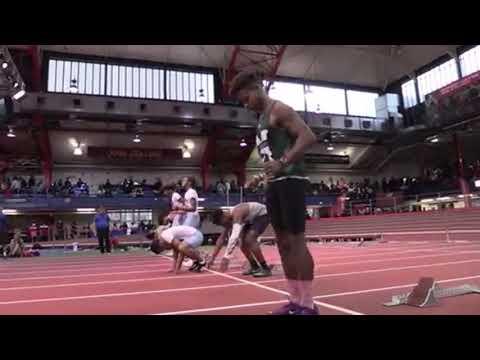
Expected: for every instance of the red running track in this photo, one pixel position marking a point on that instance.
(349, 280)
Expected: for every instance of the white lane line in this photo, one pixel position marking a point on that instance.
(315, 297)
(73, 271)
(333, 307)
(223, 308)
(367, 291)
(104, 282)
(111, 295)
(383, 270)
(236, 272)
(330, 275)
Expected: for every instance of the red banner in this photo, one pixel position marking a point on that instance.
(134, 154)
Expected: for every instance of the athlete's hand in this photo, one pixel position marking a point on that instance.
(224, 265)
(272, 168)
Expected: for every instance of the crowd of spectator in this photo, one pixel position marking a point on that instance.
(433, 180)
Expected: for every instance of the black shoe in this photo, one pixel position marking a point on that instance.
(251, 271)
(200, 265)
(262, 273)
(194, 266)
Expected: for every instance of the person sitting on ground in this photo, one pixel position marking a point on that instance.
(16, 246)
(184, 241)
(245, 223)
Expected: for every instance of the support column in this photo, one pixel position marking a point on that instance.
(40, 133)
(463, 184)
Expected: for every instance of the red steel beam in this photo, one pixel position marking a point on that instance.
(41, 136)
(273, 58)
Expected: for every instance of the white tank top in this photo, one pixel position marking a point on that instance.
(254, 210)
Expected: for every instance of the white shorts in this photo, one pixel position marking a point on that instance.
(195, 240)
(191, 219)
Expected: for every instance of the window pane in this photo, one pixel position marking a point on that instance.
(409, 94)
(211, 89)
(198, 86)
(115, 80)
(161, 75)
(156, 84)
(66, 76)
(291, 94)
(136, 81)
(121, 80)
(81, 78)
(89, 79)
(59, 77)
(129, 89)
(149, 75)
(325, 100)
(52, 72)
(470, 61)
(179, 93)
(437, 78)
(361, 103)
(143, 83)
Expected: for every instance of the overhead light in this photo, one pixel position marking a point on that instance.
(187, 154)
(11, 133)
(190, 145)
(18, 95)
(78, 151)
(330, 147)
(4, 65)
(137, 139)
(15, 84)
(86, 210)
(10, 212)
(73, 86)
(73, 142)
(434, 140)
(243, 143)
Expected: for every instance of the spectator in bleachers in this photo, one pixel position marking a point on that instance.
(3, 231)
(108, 188)
(31, 182)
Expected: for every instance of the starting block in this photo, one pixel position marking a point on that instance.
(427, 293)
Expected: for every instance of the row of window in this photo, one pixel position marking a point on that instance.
(440, 76)
(92, 78)
(129, 81)
(325, 99)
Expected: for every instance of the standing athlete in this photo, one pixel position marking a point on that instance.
(191, 215)
(245, 223)
(282, 138)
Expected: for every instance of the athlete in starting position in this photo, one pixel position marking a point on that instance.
(282, 138)
(245, 223)
(183, 240)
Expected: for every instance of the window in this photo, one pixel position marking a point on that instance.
(190, 86)
(409, 94)
(87, 76)
(437, 78)
(291, 94)
(470, 61)
(131, 81)
(326, 100)
(361, 103)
